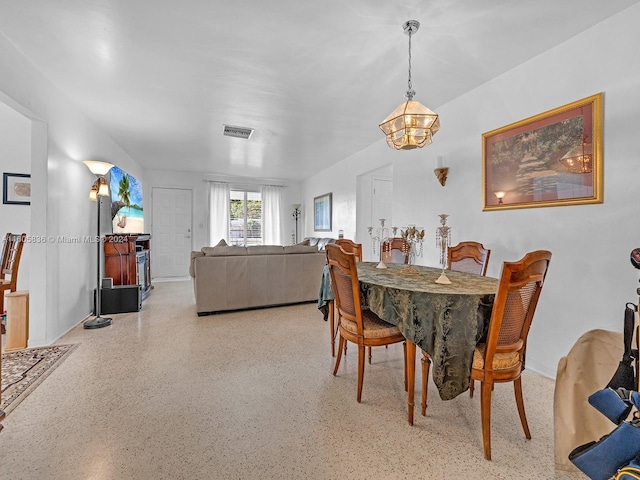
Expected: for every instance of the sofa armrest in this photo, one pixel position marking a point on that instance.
(194, 255)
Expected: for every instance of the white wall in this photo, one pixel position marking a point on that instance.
(590, 277)
(61, 275)
(199, 184)
(15, 157)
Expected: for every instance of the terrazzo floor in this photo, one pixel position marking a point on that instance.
(165, 394)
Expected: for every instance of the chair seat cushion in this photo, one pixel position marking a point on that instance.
(501, 361)
(374, 326)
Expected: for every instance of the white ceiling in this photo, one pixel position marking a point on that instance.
(313, 79)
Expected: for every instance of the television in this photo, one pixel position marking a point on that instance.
(126, 203)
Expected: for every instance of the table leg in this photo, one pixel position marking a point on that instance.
(411, 376)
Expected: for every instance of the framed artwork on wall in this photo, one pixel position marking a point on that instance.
(322, 213)
(16, 188)
(551, 159)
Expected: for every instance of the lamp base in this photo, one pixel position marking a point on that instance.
(97, 322)
(381, 265)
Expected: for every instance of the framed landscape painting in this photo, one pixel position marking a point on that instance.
(550, 159)
(322, 213)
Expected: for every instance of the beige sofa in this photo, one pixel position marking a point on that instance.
(235, 278)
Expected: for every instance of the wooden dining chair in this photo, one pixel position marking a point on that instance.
(348, 246)
(11, 253)
(395, 250)
(501, 358)
(470, 257)
(356, 324)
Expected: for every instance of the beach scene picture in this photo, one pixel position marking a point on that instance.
(126, 202)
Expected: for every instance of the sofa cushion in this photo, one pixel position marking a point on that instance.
(320, 242)
(229, 251)
(312, 241)
(265, 250)
(300, 248)
(221, 243)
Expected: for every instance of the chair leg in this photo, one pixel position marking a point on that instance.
(485, 415)
(360, 370)
(332, 329)
(517, 386)
(471, 387)
(335, 369)
(426, 366)
(369, 351)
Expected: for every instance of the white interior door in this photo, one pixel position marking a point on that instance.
(171, 232)
(382, 199)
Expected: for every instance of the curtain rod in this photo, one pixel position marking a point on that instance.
(248, 184)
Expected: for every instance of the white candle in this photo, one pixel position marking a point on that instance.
(440, 162)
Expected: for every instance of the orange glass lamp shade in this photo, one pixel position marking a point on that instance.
(411, 125)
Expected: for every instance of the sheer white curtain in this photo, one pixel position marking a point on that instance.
(218, 212)
(271, 199)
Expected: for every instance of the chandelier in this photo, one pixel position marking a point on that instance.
(411, 125)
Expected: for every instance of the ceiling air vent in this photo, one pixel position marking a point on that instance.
(238, 132)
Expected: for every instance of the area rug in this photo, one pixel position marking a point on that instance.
(24, 370)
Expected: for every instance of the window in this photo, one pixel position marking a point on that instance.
(245, 218)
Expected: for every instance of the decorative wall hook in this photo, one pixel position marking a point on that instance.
(441, 173)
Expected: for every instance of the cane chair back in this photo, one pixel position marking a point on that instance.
(395, 250)
(470, 257)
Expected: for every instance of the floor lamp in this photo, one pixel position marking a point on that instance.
(296, 215)
(98, 189)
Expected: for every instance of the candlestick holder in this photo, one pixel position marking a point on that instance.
(380, 237)
(443, 240)
(413, 238)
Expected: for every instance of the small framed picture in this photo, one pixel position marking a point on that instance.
(16, 189)
(322, 213)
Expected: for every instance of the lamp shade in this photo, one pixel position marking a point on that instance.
(93, 194)
(103, 187)
(98, 168)
(411, 125)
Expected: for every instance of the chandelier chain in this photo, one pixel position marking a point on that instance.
(410, 91)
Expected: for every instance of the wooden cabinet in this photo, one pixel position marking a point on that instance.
(127, 260)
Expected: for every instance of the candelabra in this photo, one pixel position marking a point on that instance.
(443, 239)
(381, 236)
(412, 246)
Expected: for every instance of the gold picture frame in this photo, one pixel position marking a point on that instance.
(548, 160)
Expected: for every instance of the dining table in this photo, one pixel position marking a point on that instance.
(445, 320)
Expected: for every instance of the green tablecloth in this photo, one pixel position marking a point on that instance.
(446, 321)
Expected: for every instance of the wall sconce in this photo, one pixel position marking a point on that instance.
(441, 172)
(500, 195)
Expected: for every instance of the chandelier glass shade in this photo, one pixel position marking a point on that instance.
(411, 125)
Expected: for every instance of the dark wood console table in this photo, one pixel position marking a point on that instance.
(127, 260)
